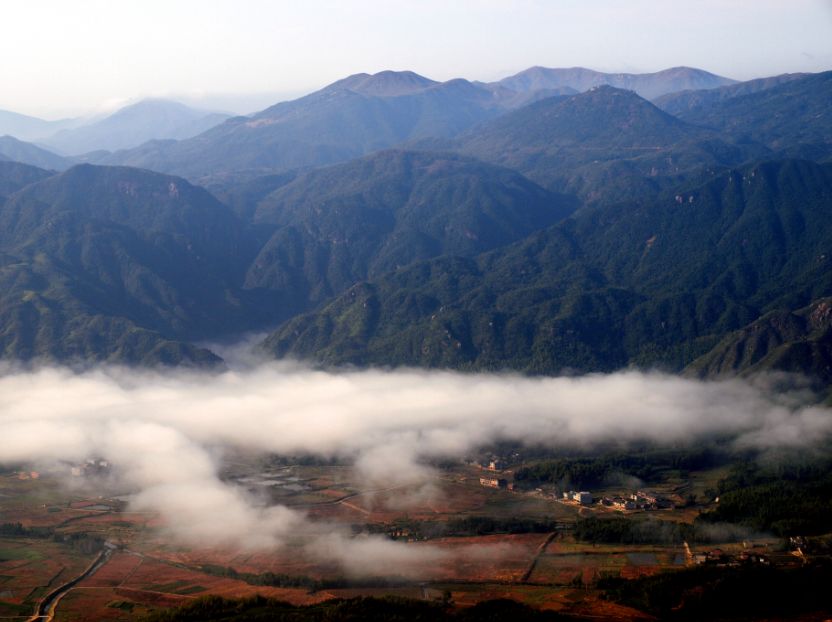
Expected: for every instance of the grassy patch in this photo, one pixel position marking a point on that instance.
(171, 587)
(17, 552)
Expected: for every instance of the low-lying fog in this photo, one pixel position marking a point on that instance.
(164, 432)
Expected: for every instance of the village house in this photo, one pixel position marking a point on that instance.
(624, 504)
(581, 498)
(493, 482)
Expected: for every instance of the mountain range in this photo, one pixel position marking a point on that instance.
(551, 222)
(363, 113)
(651, 283)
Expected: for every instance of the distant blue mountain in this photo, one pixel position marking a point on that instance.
(136, 124)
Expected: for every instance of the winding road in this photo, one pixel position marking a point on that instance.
(46, 607)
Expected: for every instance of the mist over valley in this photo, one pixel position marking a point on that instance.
(512, 311)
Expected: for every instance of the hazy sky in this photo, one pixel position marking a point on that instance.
(69, 57)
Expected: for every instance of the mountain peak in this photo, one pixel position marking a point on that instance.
(156, 104)
(384, 83)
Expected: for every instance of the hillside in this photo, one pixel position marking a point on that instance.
(686, 102)
(605, 143)
(788, 341)
(14, 176)
(342, 224)
(107, 262)
(656, 282)
(793, 117)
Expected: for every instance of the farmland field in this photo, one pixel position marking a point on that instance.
(63, 526)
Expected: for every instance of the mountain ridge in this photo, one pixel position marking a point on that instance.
(647, 85)
(346, 119)
(796, 342)
(648, 283)
(26, 153)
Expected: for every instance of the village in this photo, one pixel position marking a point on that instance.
(89, 468)
(638, 500)
(555, 554)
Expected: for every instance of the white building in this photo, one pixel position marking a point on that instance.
(583, 497)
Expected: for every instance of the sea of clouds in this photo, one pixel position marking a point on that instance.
(165, 431)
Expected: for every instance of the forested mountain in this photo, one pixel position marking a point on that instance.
(793, 117)
(604, 143)
(102, 263)
(789, 341)
(654, 282)
(14, 176)
(110, 262)
(580, 232)
(683, 103)
(338, 225)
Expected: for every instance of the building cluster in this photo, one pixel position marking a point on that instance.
(718, 557)
(641, 500)
(620, 503)
(496, 482)
(490, 462)
(581, 498)
(89, 468)
(495, 462)
(496, 465)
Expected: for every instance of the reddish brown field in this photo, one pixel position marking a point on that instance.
(105, 604)
(115, 572)
(130, 584)
(486, 558)
(447, 497)
(564, 560)
(284, 561)
(155, 576)
(34, 565)
(149, 571)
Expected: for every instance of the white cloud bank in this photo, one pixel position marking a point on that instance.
(161, 429)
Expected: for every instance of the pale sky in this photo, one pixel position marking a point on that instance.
(70, 57)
